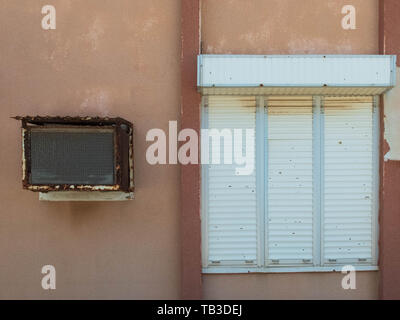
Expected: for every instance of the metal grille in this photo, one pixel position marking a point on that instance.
(79, 158)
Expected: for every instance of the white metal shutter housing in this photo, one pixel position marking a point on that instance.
(348, 210)
(296, 74)
(231, 218)
(289, 214)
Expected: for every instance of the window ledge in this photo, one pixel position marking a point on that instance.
(85, 196)
(233, 270)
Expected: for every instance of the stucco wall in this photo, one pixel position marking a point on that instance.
(289, 286)
(106, 58)
(288, 27)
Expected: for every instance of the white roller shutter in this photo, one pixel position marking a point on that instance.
(348, 193)
(313, 201)
(231, 209)
(289, 152)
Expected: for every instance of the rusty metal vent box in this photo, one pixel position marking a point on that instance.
(87, 154)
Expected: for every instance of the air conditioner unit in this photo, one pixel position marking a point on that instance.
(78, 158)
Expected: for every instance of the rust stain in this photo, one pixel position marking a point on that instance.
(67, 187)
(100, 121)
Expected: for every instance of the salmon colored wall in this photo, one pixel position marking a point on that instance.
(289, 286)
(288, 27)
(106, 58)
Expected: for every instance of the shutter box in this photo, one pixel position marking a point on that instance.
(78, 158)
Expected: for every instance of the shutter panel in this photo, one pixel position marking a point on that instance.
(289, 217)
(348, 180)
(231, 206)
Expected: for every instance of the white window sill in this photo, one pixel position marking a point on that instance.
(85, 196)
(234, 270)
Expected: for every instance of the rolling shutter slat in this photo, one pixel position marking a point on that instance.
(232, 220)
(348, 180)
(289, 221)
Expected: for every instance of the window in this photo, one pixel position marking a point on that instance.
(311, 202)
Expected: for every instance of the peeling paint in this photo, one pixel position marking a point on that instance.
(253, 38)
(315, 45)
(220, 47)
(23, 153)
(392, 120)
(95, 33)
(287, 26)
(73, 187)
(96, 101)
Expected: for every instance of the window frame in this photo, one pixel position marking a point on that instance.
(122, 131)
(261, 265)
